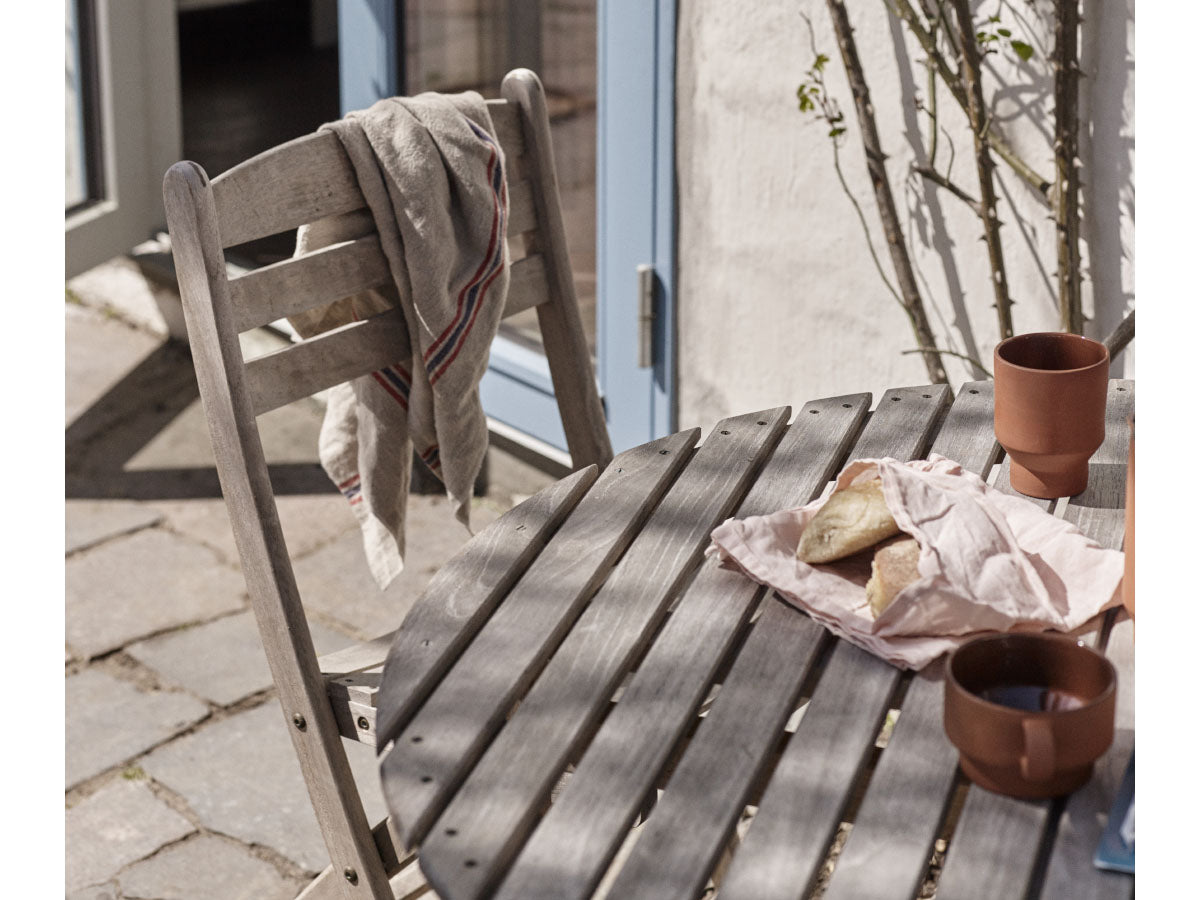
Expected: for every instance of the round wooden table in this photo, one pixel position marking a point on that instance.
(581, 700)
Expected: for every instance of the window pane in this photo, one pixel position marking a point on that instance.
(77, 175)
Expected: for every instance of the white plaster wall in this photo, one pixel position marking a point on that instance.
(778, 301)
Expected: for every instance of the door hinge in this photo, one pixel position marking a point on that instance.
(646, 281)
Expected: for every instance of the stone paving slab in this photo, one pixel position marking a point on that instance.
(240, 777)
(334, 580)
(143, 583)
(207, 867)
(109, 721)
(119, 824)
(221, 661)
(100, 351)
(91, 522)
(309, 521)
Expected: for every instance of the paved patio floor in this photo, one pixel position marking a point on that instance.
(180, 776)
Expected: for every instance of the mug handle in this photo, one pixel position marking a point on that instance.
(1038, 762)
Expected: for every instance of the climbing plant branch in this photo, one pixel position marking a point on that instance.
(980, 126)
(1065, 62)
(884, 200)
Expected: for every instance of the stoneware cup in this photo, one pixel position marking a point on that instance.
(1029, 713)
(1127, 584)
(1049, 409)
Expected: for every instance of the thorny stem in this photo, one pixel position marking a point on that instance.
(972, 360)
(954, 84)
(884, 200)
(829, 114)
(985, 166)
(941, 180)
(1121, 336)
(1066, 148)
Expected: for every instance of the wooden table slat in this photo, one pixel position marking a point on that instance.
(821, 764)
(568, 853)
(995, 844)
(1071, 874)
(916, 773)
(445, 737)
(474, 839)
(463, 593)
(692, 822)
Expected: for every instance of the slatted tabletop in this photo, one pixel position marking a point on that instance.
(582, 704)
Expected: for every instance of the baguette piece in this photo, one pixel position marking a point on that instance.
(892, 570)
(852, 519)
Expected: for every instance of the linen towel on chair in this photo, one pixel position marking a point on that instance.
(433, 177)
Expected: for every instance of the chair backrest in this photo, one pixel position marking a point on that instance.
(296, 183)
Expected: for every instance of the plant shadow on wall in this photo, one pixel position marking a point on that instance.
(960, 61)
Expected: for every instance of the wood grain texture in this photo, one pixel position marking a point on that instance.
(916, 774)
(216, 352)
(291, 286)
(332, 357)
(307, 179)
(285, 187)
(1070, 874)
(473, 841)
(569, 851)
(995, 844)
(445, 738)
(463, 593)
(683, 838)
(563, 337)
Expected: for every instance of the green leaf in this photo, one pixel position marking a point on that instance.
(805, 103)
(819, 64)
(1022, 50)
(834, 132)
(1003, 32)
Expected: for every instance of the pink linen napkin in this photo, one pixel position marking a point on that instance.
(988, 562)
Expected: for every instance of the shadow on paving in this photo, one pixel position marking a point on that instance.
(102, 440)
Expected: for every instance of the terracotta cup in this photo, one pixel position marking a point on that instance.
(1127, 584)
(1049, 409)
(1029, 713)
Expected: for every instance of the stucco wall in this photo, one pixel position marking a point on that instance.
(778, 300)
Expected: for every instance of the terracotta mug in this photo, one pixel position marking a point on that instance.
(1029, 713)
(1127, 584)
(1050, 393)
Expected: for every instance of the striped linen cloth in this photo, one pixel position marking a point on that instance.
(433, 177)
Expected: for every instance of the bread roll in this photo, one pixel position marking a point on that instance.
(852, 519)
(892, 570)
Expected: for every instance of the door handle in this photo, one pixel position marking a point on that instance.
(645, 323)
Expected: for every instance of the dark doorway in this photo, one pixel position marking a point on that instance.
(253, 74)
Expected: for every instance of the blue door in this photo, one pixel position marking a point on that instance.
(620, 219)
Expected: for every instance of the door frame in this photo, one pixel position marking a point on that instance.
(137, 49)
(635, 219)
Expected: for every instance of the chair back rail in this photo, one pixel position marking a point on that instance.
(296, 183)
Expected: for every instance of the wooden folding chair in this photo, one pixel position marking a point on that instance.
(296, 183)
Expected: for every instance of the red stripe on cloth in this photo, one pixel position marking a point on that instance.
(396, 395)
(483, 266)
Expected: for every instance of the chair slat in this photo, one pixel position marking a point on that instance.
(522, 214)
(302, 370)
(309, 178)
(294, 285)
(527, 285)
(297, 182)
(507, 120)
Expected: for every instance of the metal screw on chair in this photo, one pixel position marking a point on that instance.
(299, 721)
(351, 875)
(363, 724)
